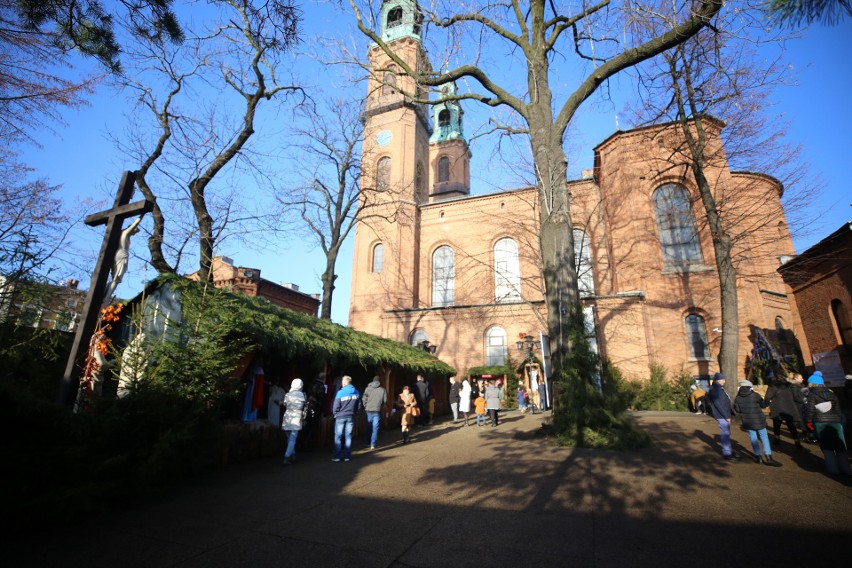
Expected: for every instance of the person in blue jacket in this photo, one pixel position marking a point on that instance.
(719, 404)
(346, 404)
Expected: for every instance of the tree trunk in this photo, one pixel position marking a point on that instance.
(205, 230)
(556, 238)
(556, 244)
(722, 245)
(328, 278)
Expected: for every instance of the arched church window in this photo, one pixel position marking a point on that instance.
(394, 17)
(583, 263)
(443, 277)
(443, 169)
(383, 171)
(780, 330)
(842, 321)
(444, 118)
(496, 350)
(418, 336)
(696, 335)
(389, 81)
(378, 258)
(507, 271)
(676, 224)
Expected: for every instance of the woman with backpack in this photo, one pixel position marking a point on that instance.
(824, 412)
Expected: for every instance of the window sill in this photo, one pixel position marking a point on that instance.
(686, 268)
(702, 359)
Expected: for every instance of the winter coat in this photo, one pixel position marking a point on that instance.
(375, 397)
(493, 396)
(464, 397)
(294, 402)
(346, 402)
(720, 402)
(409, 404)
(749, 406)
(422, 392)
(818, 394)
(455, 393)
(785, 401)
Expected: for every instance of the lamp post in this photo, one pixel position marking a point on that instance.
(529, 345)
(427, 347)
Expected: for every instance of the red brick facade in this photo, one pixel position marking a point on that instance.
(247, 281)
(820, 280)
(435, 266)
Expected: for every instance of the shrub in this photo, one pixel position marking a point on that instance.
(660, 392)
(587, 417)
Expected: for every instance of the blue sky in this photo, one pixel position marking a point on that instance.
(82, 158)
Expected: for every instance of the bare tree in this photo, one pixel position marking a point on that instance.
(33, 225)
(195, 140)
(717, 75)
(534, 34)
(330, 200)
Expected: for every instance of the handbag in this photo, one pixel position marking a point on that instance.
(415, 411)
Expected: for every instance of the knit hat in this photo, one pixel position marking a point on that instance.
(296, 385)
(816, 379)
(746, 384)
(718, 377)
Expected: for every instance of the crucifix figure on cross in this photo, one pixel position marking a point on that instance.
(114, 241)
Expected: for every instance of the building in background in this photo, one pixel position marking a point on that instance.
(247, 281)
(820, 280)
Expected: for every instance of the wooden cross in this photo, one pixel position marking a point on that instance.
(113, 219)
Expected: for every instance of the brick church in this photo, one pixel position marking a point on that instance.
(434, 263)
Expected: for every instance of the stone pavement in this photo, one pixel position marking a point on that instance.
(485, 497)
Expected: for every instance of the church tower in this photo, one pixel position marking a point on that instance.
(449, 154)
(395, 173)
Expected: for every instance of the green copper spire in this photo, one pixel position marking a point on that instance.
(447, 117)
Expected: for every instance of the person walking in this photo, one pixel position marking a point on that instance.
(455, 398)
(719, 404)
(410, 411)
(464, 399)
(785, 406)
(374, 400)
(493, 399)
(824, 412)
(749, 405)
(346, 404)
(294, 406)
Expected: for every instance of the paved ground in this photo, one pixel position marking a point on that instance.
(485, 497)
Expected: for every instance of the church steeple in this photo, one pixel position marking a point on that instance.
(447, 117)
(401, 18)
(448, 150)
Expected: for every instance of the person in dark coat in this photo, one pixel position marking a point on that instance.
(785, 404)
(719, 405)
(824, 411)
(422, 393)
(455, 397)
(749, 405)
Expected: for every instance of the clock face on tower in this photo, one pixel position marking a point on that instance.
(384, 138)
